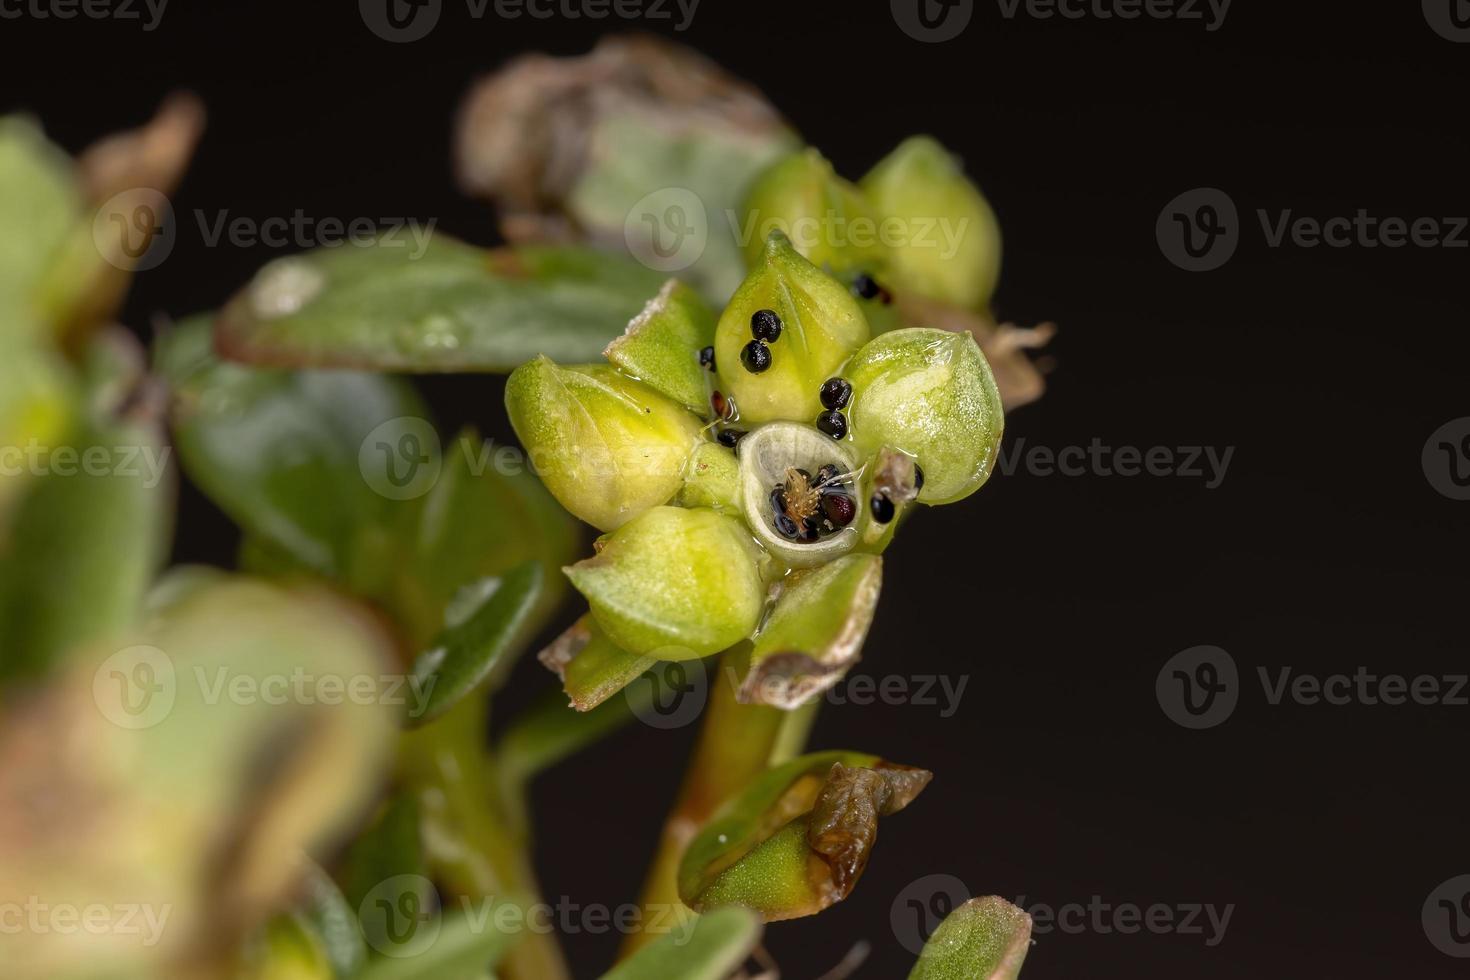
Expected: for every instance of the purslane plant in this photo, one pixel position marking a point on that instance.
(747, 469)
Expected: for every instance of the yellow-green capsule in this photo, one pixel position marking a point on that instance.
(826, 217)
(944, 239)
(929, 394)
(816, 325)
(675, 583)
(606, 446)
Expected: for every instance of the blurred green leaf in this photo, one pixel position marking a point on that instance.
(432, 306)
(713, 947)
(984, 939)
(322, 909)
(285, 948)
(592, 667)
(465, 946)
(550, 731)
(467, 653)
(91, 528)
(387, 849)
(815, 632)
(40, 205)
(797, 839)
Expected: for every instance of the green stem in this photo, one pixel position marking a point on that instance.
(471, 847)
(737, 742)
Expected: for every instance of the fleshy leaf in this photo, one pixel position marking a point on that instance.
(607, 446)
(662, 343)
(712, 947)
(461, 944)
(591, 667)
(930, 394)
(923, 186)
(321, 907)
(815, 632)
(674, 584)
(467, 653)
(797, 839)
(983, 939)
(821, 326)
(388, 848)
(432, 305)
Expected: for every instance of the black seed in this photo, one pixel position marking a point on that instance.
(827, 474)
(756, 357)
(918, 478)
(839, 508)
(810, 530)
(805, 475)
(835, 393)
(730, 437)
(833, 423)
(866, 286)
(765, 325)
(881, 507)
(707, 358)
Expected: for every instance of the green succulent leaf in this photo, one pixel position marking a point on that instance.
(467, 653)
(797, 839)
(433, 305)
(711, 948)
(662, 343)
(388, 848)
(815, 632)
(607, 446)
(921, 185)
(282, 453)
(459, 945)
(826, 217)
(90, 531)
(674, 584)
(591, 667)
(984, 939)
(322, 910)
(930, 394)
(821, 327)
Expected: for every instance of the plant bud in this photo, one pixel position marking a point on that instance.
(826, 217)
(606, 446)
(820, 326)
(674, 584)
(958, 260)
(929, 394)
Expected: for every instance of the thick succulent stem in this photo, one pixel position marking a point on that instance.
(736, 743)
(471, 846)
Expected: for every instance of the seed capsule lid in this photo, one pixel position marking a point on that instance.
(765, 455)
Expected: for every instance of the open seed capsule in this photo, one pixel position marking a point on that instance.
(783, 503)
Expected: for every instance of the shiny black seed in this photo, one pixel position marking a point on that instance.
(730, 437)
(827, 474)
(707, 358)
(810, 530)
(839, 508)
(756, 357)
(881, 507)
(804, 475)
(765, 325)
(918, 478)
(835, 393)
(833, 423)
(866, 286)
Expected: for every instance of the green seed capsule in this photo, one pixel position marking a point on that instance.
(606, 446)
(821, 325)
(922, 186)
(930, 394)
(826, 217)
(675, 583)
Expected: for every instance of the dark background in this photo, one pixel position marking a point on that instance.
(1325, 548)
